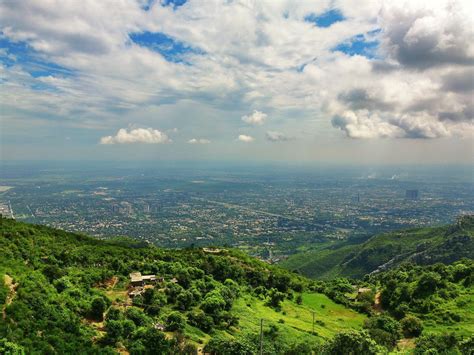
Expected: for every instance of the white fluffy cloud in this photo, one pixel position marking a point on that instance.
(137, 135)
(256, 118)
(199, 141)
(245, 138)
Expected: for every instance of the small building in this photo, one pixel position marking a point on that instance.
(362, 290)
(137, 279)
(212, 250)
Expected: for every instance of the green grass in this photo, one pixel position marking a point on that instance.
(330, 317)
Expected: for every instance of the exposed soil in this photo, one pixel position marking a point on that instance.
(378, 302)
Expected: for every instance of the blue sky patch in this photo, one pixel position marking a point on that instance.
(171, 49)
(21, 54)
(174, 3)
(326, 19)
(358, 45)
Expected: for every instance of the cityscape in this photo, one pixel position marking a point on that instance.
(269, 216)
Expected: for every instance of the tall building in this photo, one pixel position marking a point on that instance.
(411, 194)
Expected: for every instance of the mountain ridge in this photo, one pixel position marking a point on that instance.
(423, 246)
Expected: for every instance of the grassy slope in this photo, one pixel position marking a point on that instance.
(422, 245)
(330, 317)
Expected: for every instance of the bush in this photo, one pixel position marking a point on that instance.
(299, 299)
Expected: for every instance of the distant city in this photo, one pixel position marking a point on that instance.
(267, 213)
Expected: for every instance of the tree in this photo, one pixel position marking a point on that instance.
(201, 320)
(213, 303)
(114, 330)
(155, 342)
(175, 322)
(137, 316)
(275, 298)
(411, 326)
(98, 307)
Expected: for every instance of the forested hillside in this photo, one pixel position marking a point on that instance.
(422, 246)
(67, 293)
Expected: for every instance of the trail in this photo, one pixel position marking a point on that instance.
(378, 302)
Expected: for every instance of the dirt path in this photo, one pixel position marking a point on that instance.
(378, 302)
(11, 294)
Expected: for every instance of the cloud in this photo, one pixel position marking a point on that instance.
(199, 141)
(422, 37)
(274, 136)
(365, 125)
(361, 99)
(137, 135)
(459, 81)
(68, 71)
(256, 118)
(245, 138)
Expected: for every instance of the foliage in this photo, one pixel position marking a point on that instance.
(70, 295)
(225, 346)
(437, 344)
(175, 322)
(352, 343)
(384, 330)
(411, 326)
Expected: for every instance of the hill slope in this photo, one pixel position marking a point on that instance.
(423, 246)
(68, 293)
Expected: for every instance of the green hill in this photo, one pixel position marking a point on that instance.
(423, 246)
(66, 293)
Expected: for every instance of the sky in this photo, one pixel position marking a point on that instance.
(386, 82)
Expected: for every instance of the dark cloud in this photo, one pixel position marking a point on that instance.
(459, 81)
(360, 99)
